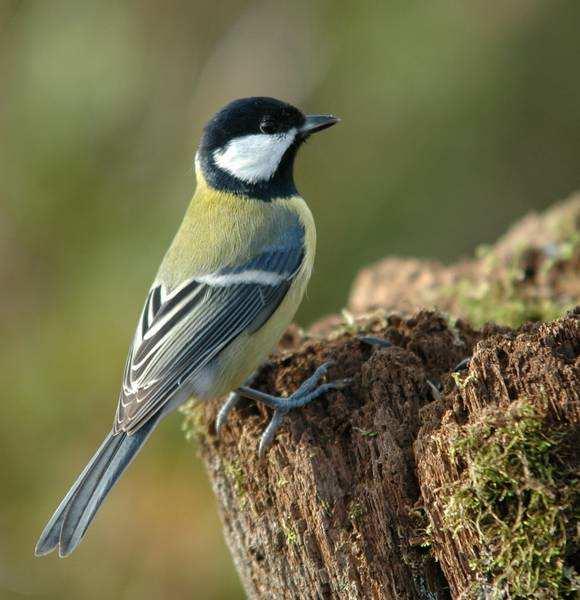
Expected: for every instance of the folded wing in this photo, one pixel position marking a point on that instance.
(180, 332)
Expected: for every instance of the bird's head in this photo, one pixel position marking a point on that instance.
(248, 147)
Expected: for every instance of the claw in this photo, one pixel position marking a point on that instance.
(435, 392)
(227, 407)
(232, 401)
(463, 365)
(270, 431)
(308, 391)
(313, 380)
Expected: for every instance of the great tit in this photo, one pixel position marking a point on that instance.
(227, 288)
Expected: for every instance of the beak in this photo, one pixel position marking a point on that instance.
(314, 123)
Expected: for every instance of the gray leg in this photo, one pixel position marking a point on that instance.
(231, 402)
(307, 392)
(311, 383)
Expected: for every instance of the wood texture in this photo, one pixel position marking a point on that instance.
(334, 509)
(349, 501)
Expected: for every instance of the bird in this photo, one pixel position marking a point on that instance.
(227, 288)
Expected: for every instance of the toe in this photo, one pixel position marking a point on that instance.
(463, 365)
(435, 392)
(270, 432)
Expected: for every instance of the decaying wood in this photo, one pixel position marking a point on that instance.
(535, 263)
(538, 366)
(348, 502)
(327, 513)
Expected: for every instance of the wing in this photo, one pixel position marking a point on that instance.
(182, 331)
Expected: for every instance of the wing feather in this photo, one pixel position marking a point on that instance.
(180, 332)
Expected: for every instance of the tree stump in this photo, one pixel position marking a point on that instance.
(415, 481)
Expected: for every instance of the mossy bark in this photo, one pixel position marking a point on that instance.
(359, 495)
(497, 465)
(530, 274)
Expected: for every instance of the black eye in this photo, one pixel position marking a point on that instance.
(268, 126)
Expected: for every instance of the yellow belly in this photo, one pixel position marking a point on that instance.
(250, 224)
(243, 356)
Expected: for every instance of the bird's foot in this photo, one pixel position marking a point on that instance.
(231, 402)
(308, 391)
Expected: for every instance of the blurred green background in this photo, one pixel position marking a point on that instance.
(457, 118)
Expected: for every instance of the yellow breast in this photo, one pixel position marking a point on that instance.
(221, 229)
(249, 351)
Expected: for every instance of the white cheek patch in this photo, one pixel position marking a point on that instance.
(254, 158)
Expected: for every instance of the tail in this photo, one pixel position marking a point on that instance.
(72, 518)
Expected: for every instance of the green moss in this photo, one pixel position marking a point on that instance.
(452, 326)
(345, 587)
(369, 433)
(502, 296)
(235, 473)
(461, 379)
(355, 510)
(290, 534)
(501, 302)
(325, 505)
(517, 497)
(352, 325)
(422, 527)
(193, 424)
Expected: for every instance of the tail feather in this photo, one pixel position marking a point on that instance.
(90, 497)
(74, 514)
(49, 538)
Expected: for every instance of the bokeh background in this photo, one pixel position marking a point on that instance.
(457, 118)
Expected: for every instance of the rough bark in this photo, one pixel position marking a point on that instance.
(537, 368)
(353, 498)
